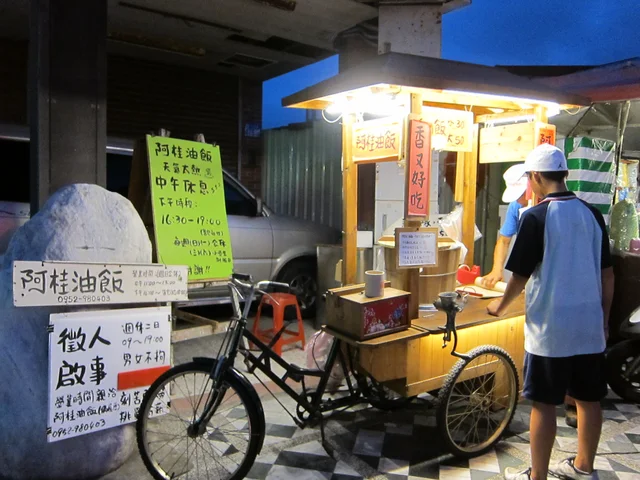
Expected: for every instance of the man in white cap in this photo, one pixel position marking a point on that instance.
(514, 195)
(517, 182)
(562, 256)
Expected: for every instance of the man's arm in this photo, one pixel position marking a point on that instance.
(607, 296)
(499, 257)
(514, 289)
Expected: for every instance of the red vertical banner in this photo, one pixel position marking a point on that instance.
(418, 169)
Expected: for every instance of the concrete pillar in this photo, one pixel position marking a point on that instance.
(411, 29)
(67, 95)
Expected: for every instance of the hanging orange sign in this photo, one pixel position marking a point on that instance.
(418, 169)
(546, 134)
(377, 140)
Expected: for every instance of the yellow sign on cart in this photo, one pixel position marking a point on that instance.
(189, 214)
(451, 130)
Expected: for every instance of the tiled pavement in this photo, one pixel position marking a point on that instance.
(368, 443)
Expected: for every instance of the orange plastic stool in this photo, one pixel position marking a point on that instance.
(278, 302)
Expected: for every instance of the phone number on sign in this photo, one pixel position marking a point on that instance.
(82, 428)
(83, 298)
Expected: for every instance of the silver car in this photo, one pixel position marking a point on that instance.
(271, 246)
(265, 245)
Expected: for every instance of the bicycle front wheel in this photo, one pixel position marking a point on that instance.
(223, 449)
(478, 401)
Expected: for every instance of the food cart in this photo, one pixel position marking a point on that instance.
(421, 104)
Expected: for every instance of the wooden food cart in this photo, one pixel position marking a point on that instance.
(417, 105)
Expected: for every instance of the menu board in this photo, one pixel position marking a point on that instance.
(418, 169)
(416, 247)
(451, 129)
(189, 214)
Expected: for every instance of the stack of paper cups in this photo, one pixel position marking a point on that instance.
(373, 283)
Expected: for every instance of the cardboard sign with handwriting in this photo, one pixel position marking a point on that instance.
(189, 213)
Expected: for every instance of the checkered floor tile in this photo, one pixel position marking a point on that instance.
(366, 443)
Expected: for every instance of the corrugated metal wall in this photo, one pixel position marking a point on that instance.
(302, 175)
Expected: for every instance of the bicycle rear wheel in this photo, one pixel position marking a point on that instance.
(224, 450)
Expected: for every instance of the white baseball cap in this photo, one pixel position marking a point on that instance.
(546, 158)
(516, 181)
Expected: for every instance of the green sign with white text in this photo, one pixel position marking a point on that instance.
(189, 216)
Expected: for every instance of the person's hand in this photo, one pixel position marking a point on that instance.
(490, 280)
(494, 308)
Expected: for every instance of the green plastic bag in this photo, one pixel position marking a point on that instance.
(624, 224)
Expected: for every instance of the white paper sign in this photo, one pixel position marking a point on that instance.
(434, 221)
(100, 365)
(417, 249)
(66, 283)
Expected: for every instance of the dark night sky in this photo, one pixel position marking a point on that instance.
(503, 32)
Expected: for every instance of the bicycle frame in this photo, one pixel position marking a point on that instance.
(310, 401)
(226, 357)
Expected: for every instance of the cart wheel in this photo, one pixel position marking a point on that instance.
(478, 401)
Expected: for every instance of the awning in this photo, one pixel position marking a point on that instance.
(441, 82)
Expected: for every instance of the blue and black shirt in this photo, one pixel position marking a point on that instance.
(562, 247)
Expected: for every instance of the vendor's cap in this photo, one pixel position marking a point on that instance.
(545, 158)
(516, 182)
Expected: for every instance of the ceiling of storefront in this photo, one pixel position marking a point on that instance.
(252, 38)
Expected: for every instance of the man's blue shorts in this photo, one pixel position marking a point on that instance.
(549, 379)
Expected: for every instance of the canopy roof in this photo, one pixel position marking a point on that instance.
(606, 83)
(609, 86)
(441, 82)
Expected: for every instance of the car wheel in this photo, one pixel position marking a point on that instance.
(302, 277)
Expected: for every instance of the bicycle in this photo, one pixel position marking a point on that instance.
(225, 417)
